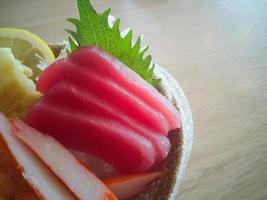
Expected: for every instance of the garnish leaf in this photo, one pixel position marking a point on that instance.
(93, 29)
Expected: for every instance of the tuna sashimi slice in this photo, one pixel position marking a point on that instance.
(95, 59)
(110, 140)
(83, 101)
(83, 184)
(104, 104)
(100, 85)
(41, 179)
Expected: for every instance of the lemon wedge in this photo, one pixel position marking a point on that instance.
(17, 91)
(28, 48)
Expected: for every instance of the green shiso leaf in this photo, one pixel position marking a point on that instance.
(93, 29)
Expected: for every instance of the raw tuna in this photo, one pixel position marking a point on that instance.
(98, 60)
(108, 139)
(82, 101)
(102, 86)
(94, 104)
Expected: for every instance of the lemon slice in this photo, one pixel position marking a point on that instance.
(28, 48)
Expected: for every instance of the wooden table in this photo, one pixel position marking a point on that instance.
(217, 50)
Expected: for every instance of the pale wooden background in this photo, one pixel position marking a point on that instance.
(217, 50)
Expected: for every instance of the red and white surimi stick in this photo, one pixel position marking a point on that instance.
(40, 178)
(130, 185)
(81, 182)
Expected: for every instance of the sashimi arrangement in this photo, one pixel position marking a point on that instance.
(79, 91)
(90, 125)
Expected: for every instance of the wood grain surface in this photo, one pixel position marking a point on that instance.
(217, 50)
